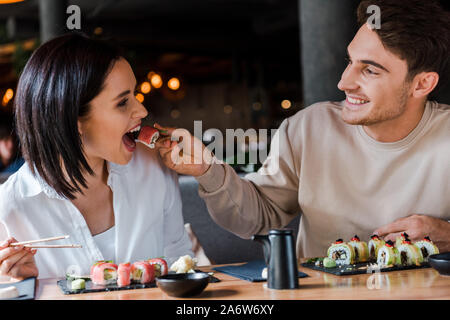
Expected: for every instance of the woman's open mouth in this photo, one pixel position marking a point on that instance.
(129, 138)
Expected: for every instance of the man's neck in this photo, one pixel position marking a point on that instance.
(398, 128)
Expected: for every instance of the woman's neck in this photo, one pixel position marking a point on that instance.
(96, 181)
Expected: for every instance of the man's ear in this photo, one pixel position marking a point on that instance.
(424, 83)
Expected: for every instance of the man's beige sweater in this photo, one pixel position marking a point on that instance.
(338, 178)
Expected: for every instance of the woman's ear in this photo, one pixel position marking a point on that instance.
(80, 127)
(425, 82)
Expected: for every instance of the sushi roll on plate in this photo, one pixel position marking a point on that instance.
(341, 252)
(403, 236)
(142, 272)
(360, 248)
(160, 265)
(387, 255)
(124, 274)
(104, 273)
(409, 254)
(374, 245)
(427, 247)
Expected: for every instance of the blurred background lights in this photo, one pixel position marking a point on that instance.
(256, 106)
(155, 80)
(175, 114)
(98, 31)
(9, 1)
(9, 94)
(286, 104)
(145, 87)
(227, 109)
(140, 97)
(173, 84)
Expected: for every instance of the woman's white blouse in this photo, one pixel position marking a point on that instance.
(147, 210)
(105, 243)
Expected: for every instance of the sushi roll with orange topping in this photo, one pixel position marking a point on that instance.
(399, 240)
(409, 254)
(341, 252)
(387, 255)
(375, 243)
(427, 247)
(360, 248)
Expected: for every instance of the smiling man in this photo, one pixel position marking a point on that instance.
(378, 162)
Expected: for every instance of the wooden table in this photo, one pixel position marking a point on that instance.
(409, 284)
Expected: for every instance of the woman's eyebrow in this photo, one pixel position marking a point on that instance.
(122, 94)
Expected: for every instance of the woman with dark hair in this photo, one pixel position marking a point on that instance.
(85, 176)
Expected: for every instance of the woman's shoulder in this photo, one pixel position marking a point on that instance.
(15, 190)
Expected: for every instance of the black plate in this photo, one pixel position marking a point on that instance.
(66, 288)
(348, 270)
(441, 262)
(25, 287)
(183, 284)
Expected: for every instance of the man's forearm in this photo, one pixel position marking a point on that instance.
(237, 204)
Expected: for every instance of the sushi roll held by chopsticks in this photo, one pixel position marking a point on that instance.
(148, 135)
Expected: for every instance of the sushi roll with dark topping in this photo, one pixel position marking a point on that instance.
(409, 254)
(427, 247)
(360, 248)
(341, 252)
(375, 243)
(387, 255)
(403, 236)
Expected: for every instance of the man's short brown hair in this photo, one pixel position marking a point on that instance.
(417, 31)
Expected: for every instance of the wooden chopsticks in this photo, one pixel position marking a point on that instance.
(31, 243)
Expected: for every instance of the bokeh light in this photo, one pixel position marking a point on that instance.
(145, 87)
(173, 84)
(140, 97)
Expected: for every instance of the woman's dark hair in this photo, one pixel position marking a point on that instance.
(417, 31)
(59, 80)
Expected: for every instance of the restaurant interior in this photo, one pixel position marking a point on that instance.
(228, 63)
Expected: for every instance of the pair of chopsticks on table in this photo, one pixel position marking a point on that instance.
(31, 243)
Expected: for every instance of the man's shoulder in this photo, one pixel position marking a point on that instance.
(441, 108)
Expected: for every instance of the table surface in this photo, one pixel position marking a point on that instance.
(419, 284)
